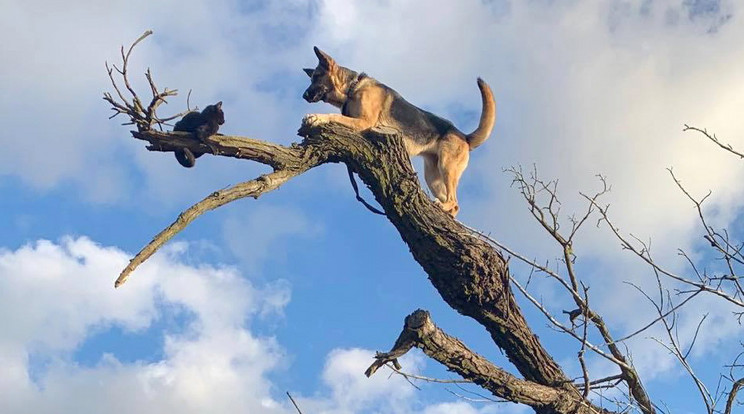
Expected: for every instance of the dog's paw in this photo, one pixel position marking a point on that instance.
(450, 208)
(314, 119)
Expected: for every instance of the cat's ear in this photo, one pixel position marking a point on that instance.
(309, 71)
(218, 105)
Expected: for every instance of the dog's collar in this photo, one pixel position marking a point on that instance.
(354, 83)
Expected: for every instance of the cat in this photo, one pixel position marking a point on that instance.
(202, 124)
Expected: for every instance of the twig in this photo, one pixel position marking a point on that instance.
(294, 403)
(139, 115)
(584, 370)
(713, 138)
(427, 379)
(358, 197)
(643, 255)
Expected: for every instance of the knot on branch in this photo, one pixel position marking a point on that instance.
(417, 321)
(417, 326)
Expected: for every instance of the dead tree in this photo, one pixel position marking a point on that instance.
(468, 269)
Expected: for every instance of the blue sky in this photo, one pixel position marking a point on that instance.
(295, 291)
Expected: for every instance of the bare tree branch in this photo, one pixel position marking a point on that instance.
(252, 188)
(547, 214)
(731, 400)
(419, 331)
(643, 254)
(726, 147)
(294, 403)
(139, 115)
(407, 375)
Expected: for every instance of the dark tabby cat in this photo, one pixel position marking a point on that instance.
(202, 124)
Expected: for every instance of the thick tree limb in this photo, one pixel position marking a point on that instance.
(274, 155)
(419, 331)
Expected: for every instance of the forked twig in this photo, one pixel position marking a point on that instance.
(143, 117)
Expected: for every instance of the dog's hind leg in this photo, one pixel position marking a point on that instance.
(454, 154)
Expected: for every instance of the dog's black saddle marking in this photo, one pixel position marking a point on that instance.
(417, 123)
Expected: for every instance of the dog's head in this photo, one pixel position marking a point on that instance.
(326, 81)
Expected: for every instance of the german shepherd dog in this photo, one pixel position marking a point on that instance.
(366, 103)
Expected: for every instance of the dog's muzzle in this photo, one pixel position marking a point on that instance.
(314, 95)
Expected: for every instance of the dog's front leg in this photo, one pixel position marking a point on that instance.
(357, 124)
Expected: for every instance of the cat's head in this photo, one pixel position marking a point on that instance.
(214, 112)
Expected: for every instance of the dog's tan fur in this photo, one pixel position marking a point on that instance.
(365, 103)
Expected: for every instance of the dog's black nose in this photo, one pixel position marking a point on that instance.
(306, 95)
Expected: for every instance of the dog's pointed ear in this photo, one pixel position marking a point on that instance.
(309, 71)
(218, 105)
(325, 60)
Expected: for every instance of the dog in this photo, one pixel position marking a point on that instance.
(366, 103)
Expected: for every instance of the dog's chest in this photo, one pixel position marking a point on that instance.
(351, 108)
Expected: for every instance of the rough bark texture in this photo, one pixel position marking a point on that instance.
(468, 273)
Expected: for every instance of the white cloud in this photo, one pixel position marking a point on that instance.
(54, 296)
(352, 391)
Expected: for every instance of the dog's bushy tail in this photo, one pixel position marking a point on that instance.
(487, 119)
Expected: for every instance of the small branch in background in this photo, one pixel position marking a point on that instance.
(669, 322)
(584, 370)
(714, 138)
(543, 202)
(731, 252)
(481, 398)
(397, 370)
(642, 252)
(294, 403)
